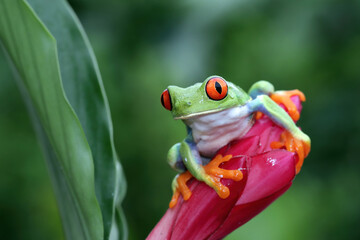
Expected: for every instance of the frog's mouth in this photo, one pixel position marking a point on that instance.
(199, 114)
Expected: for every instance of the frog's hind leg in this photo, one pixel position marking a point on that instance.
(179, 187)
(179, 182)
(174, 158)
(294, 145)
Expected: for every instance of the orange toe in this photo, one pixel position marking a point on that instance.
(258, 115)
(215, 174)
(174, 199)
(292, 144)
(284, 97)
(182, 189)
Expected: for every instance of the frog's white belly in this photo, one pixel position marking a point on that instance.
(215, 130)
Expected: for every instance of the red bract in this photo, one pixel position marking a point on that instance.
(267, 174)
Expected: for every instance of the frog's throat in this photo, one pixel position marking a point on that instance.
(198, 114)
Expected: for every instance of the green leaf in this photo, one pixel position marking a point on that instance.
(61, 84)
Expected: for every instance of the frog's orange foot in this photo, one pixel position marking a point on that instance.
(258, 115)
(174, 199)
(215, 174)
(292, 144)
(182, 188)
(284, 97)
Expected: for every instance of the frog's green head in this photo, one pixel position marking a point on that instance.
(213, 95)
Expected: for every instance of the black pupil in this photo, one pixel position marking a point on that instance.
(218, 87)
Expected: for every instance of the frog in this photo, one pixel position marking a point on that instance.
(217, 112)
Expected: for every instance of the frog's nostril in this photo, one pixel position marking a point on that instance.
(166, 100)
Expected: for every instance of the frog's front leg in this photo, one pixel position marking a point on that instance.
(261, 88)
(280, 97)
(211, 174)
(294, 139)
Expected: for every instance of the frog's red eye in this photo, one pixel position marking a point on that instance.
(166, 100)
(216, 88)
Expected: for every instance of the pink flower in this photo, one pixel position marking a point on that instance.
(267, 174)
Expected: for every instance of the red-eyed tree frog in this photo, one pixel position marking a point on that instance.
(217, 112)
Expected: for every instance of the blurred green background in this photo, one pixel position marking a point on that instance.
(143, 46)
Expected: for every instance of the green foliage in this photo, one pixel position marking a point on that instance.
(61, 84)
